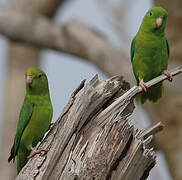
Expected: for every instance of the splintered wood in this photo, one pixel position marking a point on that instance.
(93, 139)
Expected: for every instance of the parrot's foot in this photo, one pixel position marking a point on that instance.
(34, 152)
(143, 85)
(168, 74)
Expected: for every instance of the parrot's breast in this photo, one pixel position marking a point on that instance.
(150, 58)
(38, 125)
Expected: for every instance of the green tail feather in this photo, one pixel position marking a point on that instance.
(22, 158)
(153, 94)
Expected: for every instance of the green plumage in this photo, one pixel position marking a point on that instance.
(150, 52)
(34, 119)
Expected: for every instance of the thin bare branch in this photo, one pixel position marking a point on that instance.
(162, 77)
(130, 94)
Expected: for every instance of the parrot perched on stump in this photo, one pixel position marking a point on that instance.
(34, 118)
(149, 54)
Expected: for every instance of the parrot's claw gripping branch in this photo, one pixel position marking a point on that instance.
(163, 77)
(130, 94)
(34, 152)
(168, 74)
(143, 85)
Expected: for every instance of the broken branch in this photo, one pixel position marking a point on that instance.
(93, 138)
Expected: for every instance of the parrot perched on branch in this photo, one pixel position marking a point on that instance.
(149, 54)
(34, 118)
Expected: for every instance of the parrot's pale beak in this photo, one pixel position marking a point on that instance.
(159, 22)
(29, 80)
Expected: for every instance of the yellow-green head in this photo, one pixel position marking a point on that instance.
(154, 20)
(36, 81)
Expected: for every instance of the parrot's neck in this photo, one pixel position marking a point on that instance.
(37, 91)
(38, 99)
(151, 34)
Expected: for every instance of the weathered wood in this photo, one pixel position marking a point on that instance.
(111, 62)
(93, 139)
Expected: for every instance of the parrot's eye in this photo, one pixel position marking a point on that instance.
(40, 75)
(150, 13)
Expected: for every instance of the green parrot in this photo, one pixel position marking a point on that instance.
(34, 118)
(149, 54)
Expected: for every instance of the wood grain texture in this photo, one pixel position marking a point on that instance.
(93, 139)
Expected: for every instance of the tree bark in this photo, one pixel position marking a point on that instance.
(93, 139)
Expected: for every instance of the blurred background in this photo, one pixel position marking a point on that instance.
(97, 40)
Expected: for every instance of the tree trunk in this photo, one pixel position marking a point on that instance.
(93, 139)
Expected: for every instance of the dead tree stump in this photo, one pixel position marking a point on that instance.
(93, 138)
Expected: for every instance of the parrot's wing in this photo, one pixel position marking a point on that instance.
(168, 49)
(25, 115)
(132, 48)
